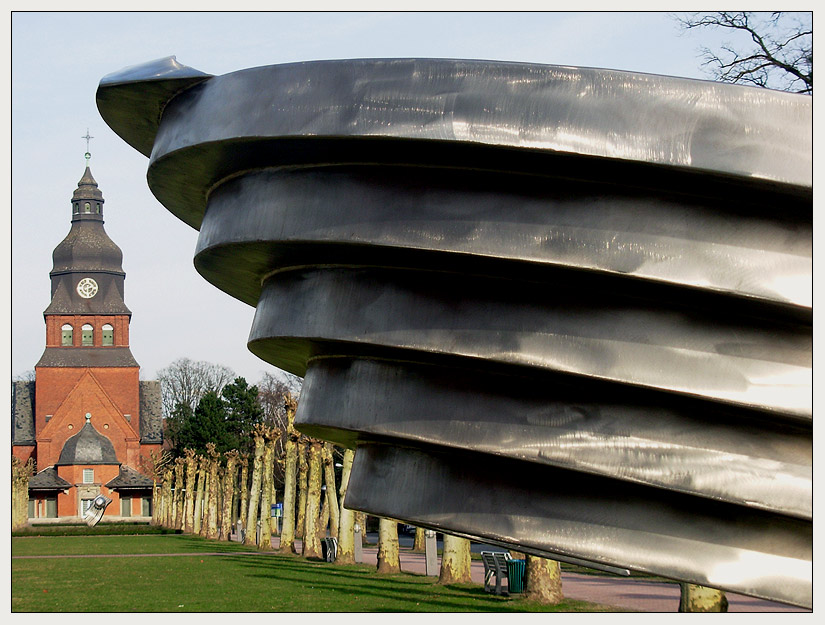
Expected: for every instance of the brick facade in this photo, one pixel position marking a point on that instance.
(98, 378)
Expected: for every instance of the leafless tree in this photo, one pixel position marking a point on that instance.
(185, 381)
(772, 50)
(26, 376)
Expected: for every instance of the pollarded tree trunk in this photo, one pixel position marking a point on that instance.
(219, 500)
(178, 492)
(542, 580)
(199, 495)
(419, 544)
(455, 561)
(290, 478)
(268, 478)
(228, 494)
(303, 469)
(206, 502)
(20, 474)
(702, 599)
(312, 527)
(243, 488)
(323, 517)
(388, 557)
(255, 489)
(168, 480)
(159, 501)
(191, 465)
(212, 508)
(346, 535)
(331, 498)
(155, 502)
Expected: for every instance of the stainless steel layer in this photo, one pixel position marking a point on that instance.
(689, 447)
(567, 310)
(552, 511)
(560, 328)
(276, 218)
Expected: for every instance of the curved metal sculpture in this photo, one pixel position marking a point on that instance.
(565, 310)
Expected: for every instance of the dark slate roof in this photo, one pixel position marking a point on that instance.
(151, 412)
(48, 479)
(87, 247)
(22, 413)
(128, 479)
(88, 447)
(87, 357)
(87, 188)
(107, 301)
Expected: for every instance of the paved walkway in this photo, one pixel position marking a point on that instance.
(631, 594)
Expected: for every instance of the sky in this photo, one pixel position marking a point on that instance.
(58, 59)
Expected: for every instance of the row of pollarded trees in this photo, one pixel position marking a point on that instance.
(209, 493)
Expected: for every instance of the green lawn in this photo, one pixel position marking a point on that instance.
(231, 582)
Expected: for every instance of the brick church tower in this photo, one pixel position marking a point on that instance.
(87, 419)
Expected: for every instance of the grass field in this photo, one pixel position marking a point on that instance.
(123, 577)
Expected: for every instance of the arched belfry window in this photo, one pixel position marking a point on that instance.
(87, 208)
(98, 207)
(107, 334)
(87, 335)
(67, 334)
(76, 208)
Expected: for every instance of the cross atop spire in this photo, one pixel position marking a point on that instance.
(88, 137)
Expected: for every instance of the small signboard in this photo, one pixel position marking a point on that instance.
(277, 510)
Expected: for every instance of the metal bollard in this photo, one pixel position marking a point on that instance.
(359, 552)
(258, 533)
(430, 552)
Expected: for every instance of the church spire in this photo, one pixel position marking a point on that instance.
(87, 200)
(87, 275)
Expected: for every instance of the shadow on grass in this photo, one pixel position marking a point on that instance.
(404, 592)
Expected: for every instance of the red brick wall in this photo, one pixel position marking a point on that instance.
(54, 332)
(70, 393)
(68, 504)
(54, 384)
(23, 452)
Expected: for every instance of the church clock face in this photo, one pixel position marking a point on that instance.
(86, 288)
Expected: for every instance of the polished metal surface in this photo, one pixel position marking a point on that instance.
(560, 309)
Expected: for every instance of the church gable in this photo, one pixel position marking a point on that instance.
(87, 396)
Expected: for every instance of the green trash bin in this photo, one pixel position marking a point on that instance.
(515, 576)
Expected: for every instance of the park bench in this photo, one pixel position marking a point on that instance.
(329, 548)
(495, 565)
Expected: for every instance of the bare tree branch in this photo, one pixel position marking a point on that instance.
(775, 50)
